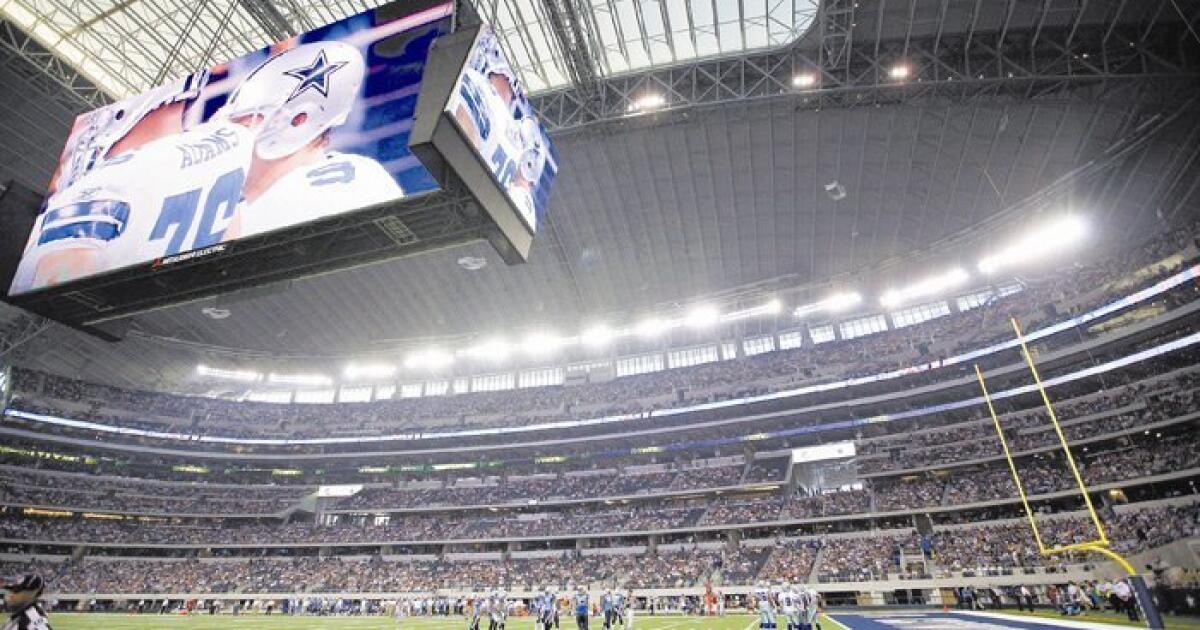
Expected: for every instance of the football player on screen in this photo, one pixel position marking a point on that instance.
(135, 185)
(498, 121)
(292, 102)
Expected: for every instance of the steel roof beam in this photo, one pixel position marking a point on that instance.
(55, 78)
(957, 69)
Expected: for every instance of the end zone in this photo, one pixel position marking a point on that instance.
(957, 621)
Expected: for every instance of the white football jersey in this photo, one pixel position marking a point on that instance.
(489, 113)
(762, 597)
(170, 195)
(338, 182)
(501, 143)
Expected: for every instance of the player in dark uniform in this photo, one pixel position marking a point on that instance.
(20, 602)
(582, 609)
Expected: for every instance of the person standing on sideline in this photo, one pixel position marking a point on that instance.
(21, 604)
(1125, 594)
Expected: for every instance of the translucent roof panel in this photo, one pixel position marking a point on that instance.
(127, 46)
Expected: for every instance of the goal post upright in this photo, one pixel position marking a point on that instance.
(1101, 545)
(1012, 465)
(1062, 438)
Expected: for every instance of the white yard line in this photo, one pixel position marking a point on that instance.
(1065, 623)
(837, 623)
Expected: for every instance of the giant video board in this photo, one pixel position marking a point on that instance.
(492, 111)
(309, 128)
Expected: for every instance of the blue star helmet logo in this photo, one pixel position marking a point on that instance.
(315, 75)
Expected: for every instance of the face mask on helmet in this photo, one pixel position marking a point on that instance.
(298, 95)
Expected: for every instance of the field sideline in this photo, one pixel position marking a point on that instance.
(849, 621)
(73, 621)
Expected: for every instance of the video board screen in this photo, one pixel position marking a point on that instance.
(490, 108)
(312, 127)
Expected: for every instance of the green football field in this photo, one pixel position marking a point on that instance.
(848, 621)
(62, 621)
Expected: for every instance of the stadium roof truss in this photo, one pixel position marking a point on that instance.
(127, 46)
(593, 60)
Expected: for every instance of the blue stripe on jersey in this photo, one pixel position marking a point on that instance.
(96, 220)
(118, 210)
(95, 230)
(476, 108)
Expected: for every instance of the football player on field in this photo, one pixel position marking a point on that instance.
(764, 602)
(789, 606)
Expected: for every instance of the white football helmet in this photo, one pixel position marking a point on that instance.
(533, 158)
(124, 115)
(489, 59)
(300, 94)
(106, 126)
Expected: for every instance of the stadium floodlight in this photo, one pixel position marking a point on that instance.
(491, 350)
(356, 371)
(842, 301)
(1044, 241)
(900, 71)
(927, 287)
(653, 327)
(647, 102)
(542, 343)
(835, 303)
(299, 379)
(429, 358)
(597, 336)
(245, 376)
(772, 307)
(702, 316)
(804, 80)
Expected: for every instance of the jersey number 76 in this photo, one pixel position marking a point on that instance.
(179, 212)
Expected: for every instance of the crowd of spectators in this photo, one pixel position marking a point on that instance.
(792, 561)
(1012, 545)
(30, 488)
(1130, 408)
(465, 526)
(682, 568)
(1126, 459)
(730, 511)
(859, 559)
(601, 483)
(976, 547)
(817, 504)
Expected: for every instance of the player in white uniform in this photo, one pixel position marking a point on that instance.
(499, 610)
(764, 601)
(502, 126)
(138, 201)
(789, 606)
(810, 609)
(291, 102)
